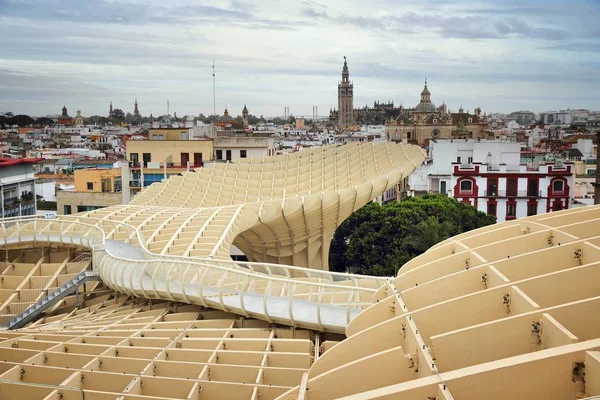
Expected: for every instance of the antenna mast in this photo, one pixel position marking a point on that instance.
(214, 91)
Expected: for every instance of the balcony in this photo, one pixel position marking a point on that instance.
(138, 165)
(512, 193)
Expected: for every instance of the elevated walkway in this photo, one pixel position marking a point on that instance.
(321, 300)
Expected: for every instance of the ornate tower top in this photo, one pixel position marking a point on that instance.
(136, 111)
(110, 110)
(245, 111)
(425, 94)
(64, 111)
(345, 72)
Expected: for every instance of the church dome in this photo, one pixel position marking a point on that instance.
(425, 107)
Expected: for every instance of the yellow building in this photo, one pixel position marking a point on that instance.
(94, 188)
(154, 160)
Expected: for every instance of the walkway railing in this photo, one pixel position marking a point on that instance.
(293, 296)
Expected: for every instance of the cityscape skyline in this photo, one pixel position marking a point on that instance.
(269, 56)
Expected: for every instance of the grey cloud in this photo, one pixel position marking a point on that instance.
(123, 12)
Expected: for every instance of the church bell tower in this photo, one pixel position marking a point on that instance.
(345, 99)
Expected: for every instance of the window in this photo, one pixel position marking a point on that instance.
(532, 188)
(466, 186)
(219, 154)
(470, 160)
(491, 209)
(408, 135)
(242, 153)
(558, 186)
(512, 185)
(511, 210)
(183, 135)
(492, 187)
(67, 210)
(470, 120)
(90, 186)
(457, 159)
(133, 157)
(228, 155)
(87, 208)
(531, 209)
(146, 157)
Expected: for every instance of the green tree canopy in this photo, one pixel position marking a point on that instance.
(118, 115)
(43, 121)
(378, 240)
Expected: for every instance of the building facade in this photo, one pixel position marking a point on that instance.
(95, 188)
(17, 187)
(509, 192)
(154, 160)
(233, 148)
(435, 174)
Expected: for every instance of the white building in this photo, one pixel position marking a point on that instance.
(434, 175)
(489, 175)
(17, 183)
(202, 130)
(232, 148)
(512, 126)
(556, 117)
(513, 191)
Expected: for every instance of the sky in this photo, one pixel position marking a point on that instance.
(500, 55)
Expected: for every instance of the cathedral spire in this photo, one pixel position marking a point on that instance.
(425, 94)
(345, 99)
(136, 111)
(345, 72)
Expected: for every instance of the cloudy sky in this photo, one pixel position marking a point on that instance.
(501, 55)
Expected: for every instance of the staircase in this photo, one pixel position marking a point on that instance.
(42, 305)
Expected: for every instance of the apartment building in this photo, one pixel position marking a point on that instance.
(154, 160)
(17, 183)
(94, 188)
(509, 192)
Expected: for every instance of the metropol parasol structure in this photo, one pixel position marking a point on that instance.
(143, 301)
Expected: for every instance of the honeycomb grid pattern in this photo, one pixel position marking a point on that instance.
(506, 311)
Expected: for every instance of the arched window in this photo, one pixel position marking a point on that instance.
(558, 186)
(466, 186)
(470, 120)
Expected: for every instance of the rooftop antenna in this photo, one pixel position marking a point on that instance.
(168, 108)
(214, 91)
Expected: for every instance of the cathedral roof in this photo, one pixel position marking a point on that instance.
(404, 119)
(464, 117)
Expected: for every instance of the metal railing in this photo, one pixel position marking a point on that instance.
(513, 193)
(276, 293)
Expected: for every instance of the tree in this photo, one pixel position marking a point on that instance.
(378, 240)
(21, 120)
(118, 115)
(428, 233)
(43, 121)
